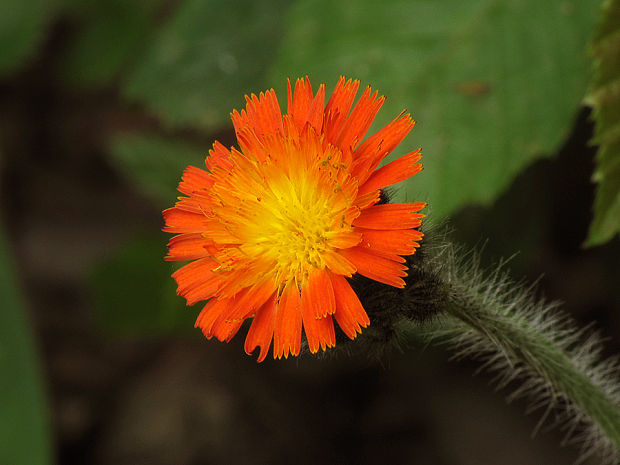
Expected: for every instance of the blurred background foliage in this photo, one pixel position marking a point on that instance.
(104, 102)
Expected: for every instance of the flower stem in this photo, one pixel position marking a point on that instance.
(483, 313)
(538, 350)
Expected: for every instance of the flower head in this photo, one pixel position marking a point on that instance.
(274, 228)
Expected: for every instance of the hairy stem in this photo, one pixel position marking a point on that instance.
(531, 348)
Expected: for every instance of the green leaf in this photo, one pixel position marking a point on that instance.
(24, 418)
(134, 294)
(112, 33)
(154, 163)
(206, 57)
(493, 85)
(605, 98)
(22, 27)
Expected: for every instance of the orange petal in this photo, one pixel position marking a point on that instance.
(235, 280)
(264, 113)
(194, 272)
(219, 233)
(338, 264)
(223, 329)
(300, 101)
(291, 131)
(210, 313)
(367, 199)
(188, 247)
(396, 241)
(350, 214)
(199, 203)
(179, 221)
(196, 280)
(400, 169)
(253, 298)
(375, 267)
(360, 119)
(319, 331)
(250, 143)
(320, 294)
(194, 179)
(350, 313)
(240, 120)
(202, 291)
(315, 112)
(261, 330)
(218, 156)
(374, 149)
(343, 240)
(339, 105)
(390, 216)
(287, 331)
(327, 335)
(337, 113)
(388, 255)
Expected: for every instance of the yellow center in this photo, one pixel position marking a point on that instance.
(294, 219)
(285, 211)
(293, 231)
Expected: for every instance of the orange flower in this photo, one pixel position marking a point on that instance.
(276, 227)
